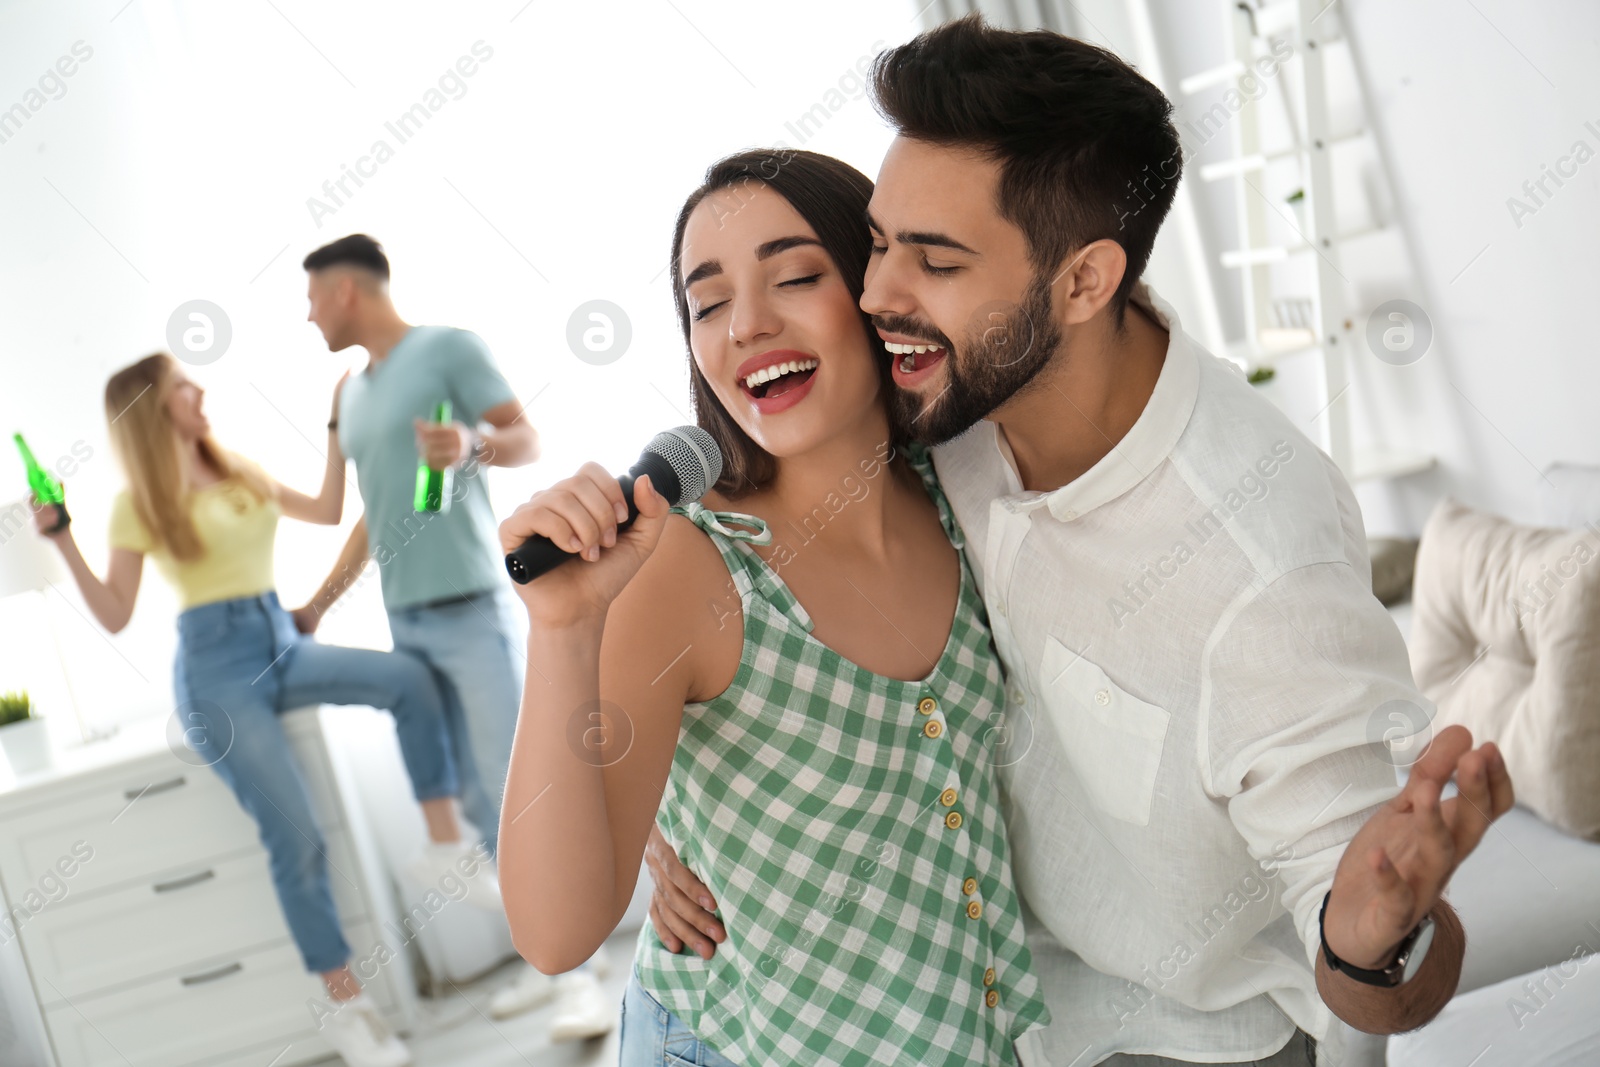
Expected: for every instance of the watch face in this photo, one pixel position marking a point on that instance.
(1419, 951)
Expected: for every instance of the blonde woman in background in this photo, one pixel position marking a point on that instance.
(207, 517)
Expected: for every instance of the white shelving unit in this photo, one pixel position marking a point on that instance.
(1301, 301)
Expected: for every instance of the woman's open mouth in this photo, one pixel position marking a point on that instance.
(781, 385)
(912, 363)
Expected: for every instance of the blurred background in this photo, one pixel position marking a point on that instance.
(1432, 159)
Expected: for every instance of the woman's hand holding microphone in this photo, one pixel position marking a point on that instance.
(581, 514)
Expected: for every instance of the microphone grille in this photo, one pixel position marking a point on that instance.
(693, 456)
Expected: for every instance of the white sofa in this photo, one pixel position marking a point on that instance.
(1529, 898)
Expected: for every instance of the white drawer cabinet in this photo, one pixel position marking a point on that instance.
(146, 915)
(228, 907)
(153, 816)
(190, 1018)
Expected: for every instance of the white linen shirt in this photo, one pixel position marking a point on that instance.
(1199, 686)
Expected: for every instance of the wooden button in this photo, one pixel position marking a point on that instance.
(991, 998)
(931, 728)
(948, 797)
(927, 706)
(970, 886)
(953, 820)
(988, 976)
(974, 909)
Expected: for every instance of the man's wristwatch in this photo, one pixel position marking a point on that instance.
(1408, 957)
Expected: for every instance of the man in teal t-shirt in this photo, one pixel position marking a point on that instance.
(444, 583)
(427, 557)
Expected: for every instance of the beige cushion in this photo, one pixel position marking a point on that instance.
(1506, 641)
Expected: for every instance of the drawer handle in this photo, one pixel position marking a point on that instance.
(159, 787)
(184, 882)
(212, 976)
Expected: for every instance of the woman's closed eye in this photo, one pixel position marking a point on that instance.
(701, 313)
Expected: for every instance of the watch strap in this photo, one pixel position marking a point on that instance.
(1388, 977)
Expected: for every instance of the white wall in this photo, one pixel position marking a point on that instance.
(1473, 100)
(177, 160)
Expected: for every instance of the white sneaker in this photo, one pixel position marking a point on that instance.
(527, 991)
(439, 861)
(357, 1032)
(583, 1010)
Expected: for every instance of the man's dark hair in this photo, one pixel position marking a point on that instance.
(1086, 146)
(357, 250)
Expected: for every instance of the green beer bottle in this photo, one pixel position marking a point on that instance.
(433, 487)
(46, 488)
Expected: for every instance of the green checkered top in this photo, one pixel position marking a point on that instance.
(848, 825)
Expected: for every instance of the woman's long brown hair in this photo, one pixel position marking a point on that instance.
(146, 444)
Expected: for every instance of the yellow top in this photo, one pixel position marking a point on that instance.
(236, 533)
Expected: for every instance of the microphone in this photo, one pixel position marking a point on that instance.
(682, 464)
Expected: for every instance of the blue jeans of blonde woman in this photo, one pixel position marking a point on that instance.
(240, 664)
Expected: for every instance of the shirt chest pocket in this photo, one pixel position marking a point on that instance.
(1112, 739)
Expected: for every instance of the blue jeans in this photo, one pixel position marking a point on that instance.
(474, 650)
(654, 1037)
(240, 664)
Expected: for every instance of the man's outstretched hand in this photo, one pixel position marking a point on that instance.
(681, 906)
(1396, 868)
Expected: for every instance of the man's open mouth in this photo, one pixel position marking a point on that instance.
(910, 361)
(772, 382)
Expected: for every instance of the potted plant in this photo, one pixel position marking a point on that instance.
(23, 736)
(1297, 200)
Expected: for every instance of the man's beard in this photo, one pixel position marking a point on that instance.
(1003, 353)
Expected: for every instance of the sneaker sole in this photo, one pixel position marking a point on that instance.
(576, 1033)
(522, 1007)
